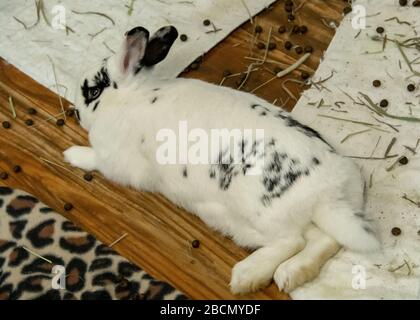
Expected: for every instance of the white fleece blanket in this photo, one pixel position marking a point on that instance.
(393, 192)
(78, 47)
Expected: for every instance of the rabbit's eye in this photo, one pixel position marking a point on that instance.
(94, 93)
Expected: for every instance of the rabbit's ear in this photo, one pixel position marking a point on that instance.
(134, 50)
(159, 45)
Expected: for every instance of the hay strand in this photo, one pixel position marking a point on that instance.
(95, 13)
(12, 107)
(57, 87)
(36, 254)
(118, 240)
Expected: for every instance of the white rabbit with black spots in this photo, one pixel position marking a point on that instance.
(306, 202)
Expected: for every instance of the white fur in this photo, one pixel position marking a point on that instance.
(122, 134)
(305, 265)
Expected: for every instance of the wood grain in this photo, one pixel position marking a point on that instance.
(159, 233)
(230, 54)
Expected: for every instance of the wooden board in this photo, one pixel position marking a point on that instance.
(159, 233)
(231, 54)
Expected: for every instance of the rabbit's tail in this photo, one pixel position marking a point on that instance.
(348, 227)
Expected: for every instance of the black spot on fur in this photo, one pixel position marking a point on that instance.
(360, 214)
(225, 171)
(212, 173)
(258, 106)
(100, 82)
(316, 161)
(369, 230)
(306, 130)
(291, 177)
(185, 173)
(280, 173)
(115, 85)
(96, 105)
(154, 100)
(156, 89)
(228, 167)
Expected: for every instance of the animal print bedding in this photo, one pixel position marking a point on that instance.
(34, 239)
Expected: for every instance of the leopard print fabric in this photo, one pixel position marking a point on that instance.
(92, 269)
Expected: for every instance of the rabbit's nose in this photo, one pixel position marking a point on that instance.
(76, 112)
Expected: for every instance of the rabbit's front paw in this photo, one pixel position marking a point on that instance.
(81, 157)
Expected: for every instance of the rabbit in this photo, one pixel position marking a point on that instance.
(297, 211)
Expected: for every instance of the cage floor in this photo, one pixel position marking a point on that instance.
(159, 233)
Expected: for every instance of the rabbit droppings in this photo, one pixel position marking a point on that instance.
(303, 205)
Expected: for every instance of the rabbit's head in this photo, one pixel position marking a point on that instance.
(138, 53)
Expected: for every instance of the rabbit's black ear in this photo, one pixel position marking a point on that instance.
(134, 49)
(159, 45)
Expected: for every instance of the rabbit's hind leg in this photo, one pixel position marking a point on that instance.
(306, 265)
(257, 270)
